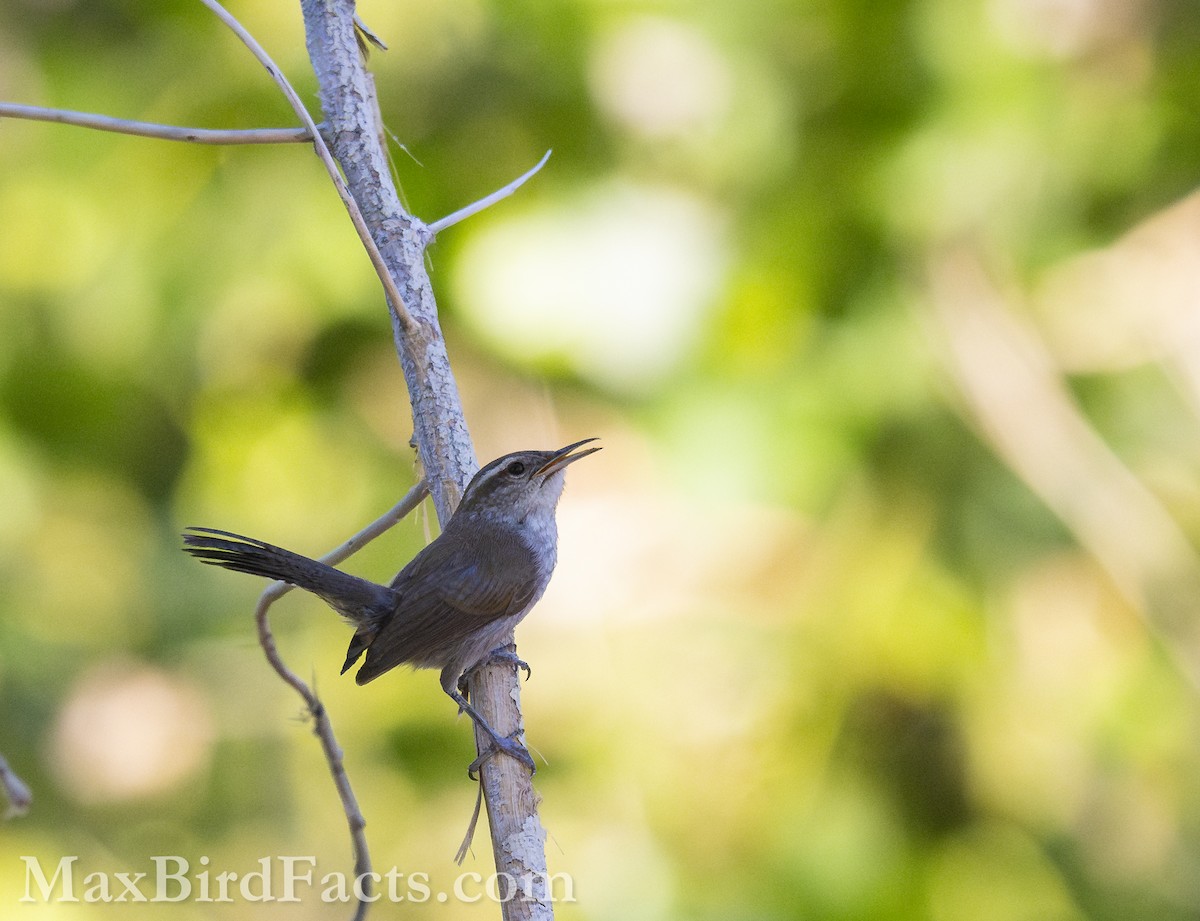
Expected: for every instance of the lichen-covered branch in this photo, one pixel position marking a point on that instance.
(353, 129)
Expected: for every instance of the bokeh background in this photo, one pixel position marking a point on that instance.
(881, 601)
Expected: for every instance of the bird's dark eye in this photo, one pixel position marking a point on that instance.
(516, 468)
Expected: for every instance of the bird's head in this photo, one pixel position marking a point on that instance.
(521, 484)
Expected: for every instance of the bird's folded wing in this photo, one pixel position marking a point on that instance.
(447, 596)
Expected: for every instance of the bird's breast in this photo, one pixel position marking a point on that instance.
(540, 536)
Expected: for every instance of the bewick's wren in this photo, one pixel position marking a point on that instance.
(458, 598)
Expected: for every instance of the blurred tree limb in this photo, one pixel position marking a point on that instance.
(1132, 302)
(1015, 392)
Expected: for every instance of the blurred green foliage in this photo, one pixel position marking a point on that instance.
(814, 650)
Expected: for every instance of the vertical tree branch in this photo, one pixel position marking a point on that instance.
(348, 100)
(353, 131)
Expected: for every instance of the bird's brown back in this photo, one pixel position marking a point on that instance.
(451, 590)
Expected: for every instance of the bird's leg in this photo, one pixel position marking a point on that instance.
(510, 745)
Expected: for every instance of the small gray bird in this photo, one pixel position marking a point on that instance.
(458, 598)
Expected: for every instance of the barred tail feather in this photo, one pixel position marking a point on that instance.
(358, 600)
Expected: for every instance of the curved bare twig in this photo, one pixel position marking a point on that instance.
(322, 727)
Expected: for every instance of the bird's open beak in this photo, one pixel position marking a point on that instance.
(563, 456)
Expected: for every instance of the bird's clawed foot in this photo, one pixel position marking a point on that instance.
(511, 746)
(503, 654)
(509, 654)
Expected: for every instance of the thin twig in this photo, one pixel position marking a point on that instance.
(322, 727)
(20, 797)
(463, 213)
(356, 216)
(153, 130)
(368, 34)
(465, 848)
